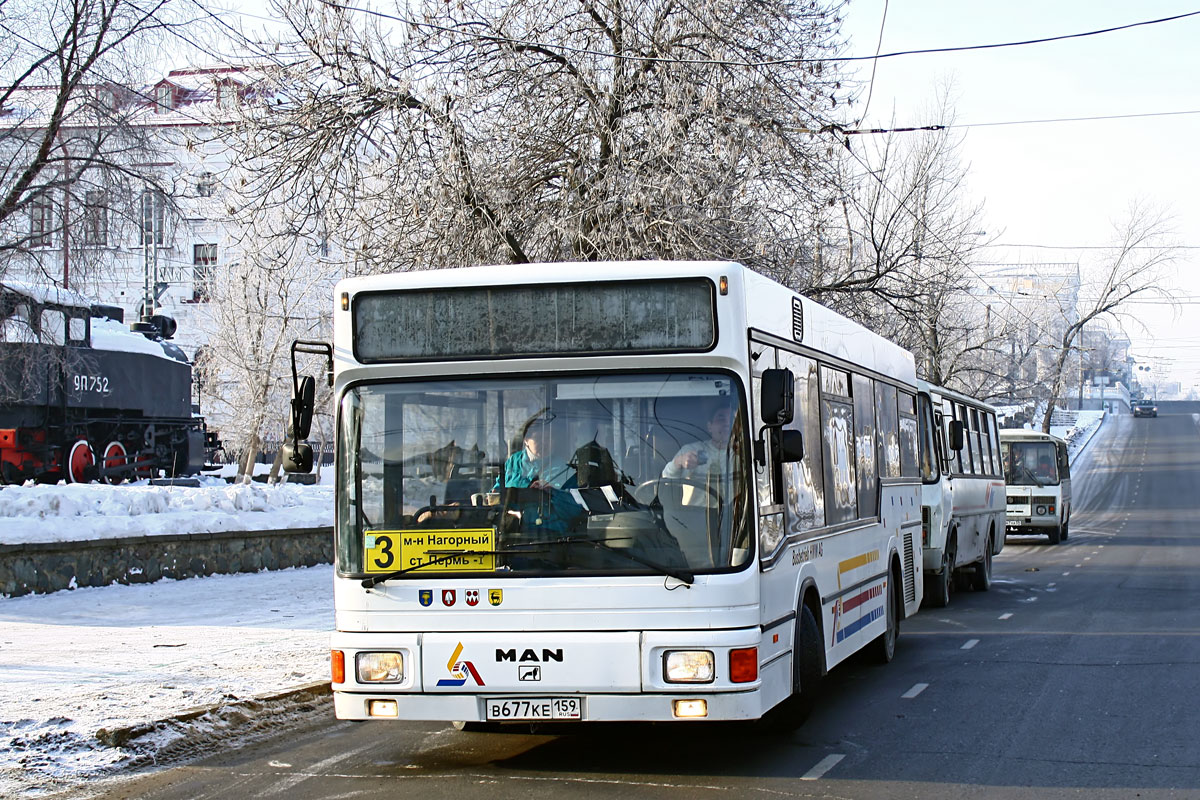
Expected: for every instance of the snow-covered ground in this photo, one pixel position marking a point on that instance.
(75, 662)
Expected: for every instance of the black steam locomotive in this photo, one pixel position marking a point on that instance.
(84, 397)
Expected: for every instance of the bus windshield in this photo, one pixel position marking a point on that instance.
(1029, 463)
(598, 474)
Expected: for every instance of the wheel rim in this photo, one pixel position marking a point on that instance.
(114, 456)
(80, 458)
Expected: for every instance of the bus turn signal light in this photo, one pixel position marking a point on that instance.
(337, 666)
(743, 665)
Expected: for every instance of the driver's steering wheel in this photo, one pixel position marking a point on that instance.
(648, 490)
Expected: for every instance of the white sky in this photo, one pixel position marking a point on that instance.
(1060, 186)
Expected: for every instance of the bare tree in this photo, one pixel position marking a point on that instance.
(275, 289)
(896, 251)
(66, 99)
(480, 132)
(1134, 267)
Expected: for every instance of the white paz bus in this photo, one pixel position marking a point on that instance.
(611, 492)
(963, 503)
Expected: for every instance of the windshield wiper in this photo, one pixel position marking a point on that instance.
(679, 574)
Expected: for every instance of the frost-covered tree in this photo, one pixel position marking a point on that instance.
(475, 132)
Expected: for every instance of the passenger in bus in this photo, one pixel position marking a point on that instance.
(707, 458)
(1045, 468)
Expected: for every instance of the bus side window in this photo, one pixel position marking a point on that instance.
(865, 446)
(805, 489)
(837, 446)
(968, 456)
(955, 456)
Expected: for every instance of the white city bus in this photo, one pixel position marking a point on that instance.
(1037, 469)
(962, 503)
(611, 492)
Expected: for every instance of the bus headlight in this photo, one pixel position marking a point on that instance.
(379, 667)
(688, 666)
(1040, 510)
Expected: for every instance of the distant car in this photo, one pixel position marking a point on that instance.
(1145, 408)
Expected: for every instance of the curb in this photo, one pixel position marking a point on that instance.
(120, 736)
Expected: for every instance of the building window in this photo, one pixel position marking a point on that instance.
(95, 218)
(41, 222)
(204, 262)
(154, 217)
(162, 97)
(206, 184)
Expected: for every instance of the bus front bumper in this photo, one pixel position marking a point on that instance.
(592, 707)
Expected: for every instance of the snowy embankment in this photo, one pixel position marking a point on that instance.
(69, 512)
(1078, 435)
(129, 659)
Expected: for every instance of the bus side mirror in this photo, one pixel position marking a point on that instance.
(957, 440)
(791, 446)
(778, 397)
(297, 457)
(302, 409)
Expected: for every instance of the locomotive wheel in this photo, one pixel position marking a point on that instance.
(145, 469)
(114, 456)
(80, 461)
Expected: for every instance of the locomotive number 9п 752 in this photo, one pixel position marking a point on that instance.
(83, 397)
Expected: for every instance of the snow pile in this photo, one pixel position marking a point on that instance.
(119, 657)
(33, 513)
(1080, 433)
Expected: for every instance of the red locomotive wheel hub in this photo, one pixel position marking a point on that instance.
(114, 456)
(79, 460)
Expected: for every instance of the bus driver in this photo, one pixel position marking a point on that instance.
(698, 460)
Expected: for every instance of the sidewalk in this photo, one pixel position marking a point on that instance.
(116, 660)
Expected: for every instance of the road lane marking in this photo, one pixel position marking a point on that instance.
(1065, 574)
(824, 765)
(1006, 615)
(914, 691)
(969, 644)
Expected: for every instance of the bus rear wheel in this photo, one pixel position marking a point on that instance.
(885, 644)
(981, 579)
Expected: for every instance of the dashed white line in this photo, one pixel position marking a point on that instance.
(824, 765)
(1065, 574)
(914, 691)
(969, 644)
(1006, 615)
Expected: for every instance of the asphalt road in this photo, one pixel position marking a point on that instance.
(1077, 675)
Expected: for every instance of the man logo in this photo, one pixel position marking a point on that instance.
(471, 596)
(448, 597)
(425, 596)
(495, 596)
